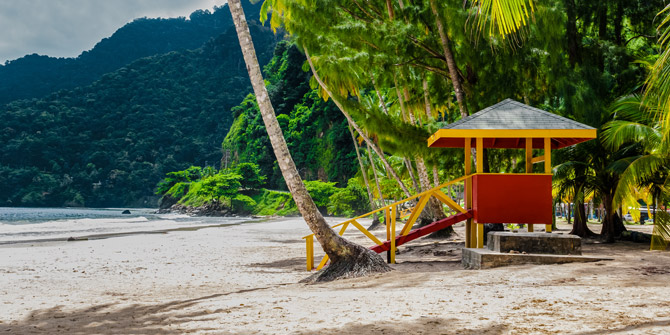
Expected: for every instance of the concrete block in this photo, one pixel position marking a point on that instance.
(485, 259)
(534, 243)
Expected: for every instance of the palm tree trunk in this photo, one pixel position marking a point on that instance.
(374, 172)
(426, 98)
(347, 259)
(451, 63)
(355, 125)
(410, 171)
(379, 94)
(580, 227)
(363, 171)
(608, 232)
(569, 216)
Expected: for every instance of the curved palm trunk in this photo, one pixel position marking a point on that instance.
(374, 173)
(363, 172)
(451, 63)
(347, 259)
(410, 171)
(355, 125)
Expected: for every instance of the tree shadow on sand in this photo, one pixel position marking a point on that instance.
(417, 326)
(114, 318)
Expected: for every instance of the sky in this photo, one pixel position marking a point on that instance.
(65, 28)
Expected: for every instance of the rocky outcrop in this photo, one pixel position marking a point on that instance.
(208, 209)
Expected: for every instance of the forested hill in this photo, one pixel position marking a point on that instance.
(109, 143)
(34, 76)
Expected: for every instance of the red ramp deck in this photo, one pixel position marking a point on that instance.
(423, 231)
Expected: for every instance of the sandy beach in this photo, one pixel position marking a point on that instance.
(243, 279)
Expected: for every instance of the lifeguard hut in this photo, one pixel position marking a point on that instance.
(505, 197)
(523, 198)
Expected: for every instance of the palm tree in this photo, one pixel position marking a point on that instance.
(347, 259)
(648, 171)
(571, 181)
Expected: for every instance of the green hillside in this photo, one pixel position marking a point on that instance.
(109, 143)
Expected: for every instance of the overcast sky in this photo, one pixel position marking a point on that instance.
(65, 28)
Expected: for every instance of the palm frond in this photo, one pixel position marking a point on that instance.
(637, 175)
(661, 234)
(507, 16)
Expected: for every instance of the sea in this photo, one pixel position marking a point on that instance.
(22, 225)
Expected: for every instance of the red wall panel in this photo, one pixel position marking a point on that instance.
(509, 198)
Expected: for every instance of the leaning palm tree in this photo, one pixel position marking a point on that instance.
(347, 259)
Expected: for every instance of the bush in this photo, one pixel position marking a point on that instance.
(220, 185)
(251, 176)
(243, 204)
(349, 201)
(321, 193)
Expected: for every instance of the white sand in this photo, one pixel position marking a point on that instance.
(243, 280)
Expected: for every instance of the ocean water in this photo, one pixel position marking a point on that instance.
(53, 224)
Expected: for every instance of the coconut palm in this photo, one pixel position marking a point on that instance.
(347, 259)
(648, 171)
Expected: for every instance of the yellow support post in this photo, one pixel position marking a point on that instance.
(480, 235)
(467, 191)
(366, 232)
(480, 169)
(448, 201)
(309, 243)
(415, 214)
(547, 168)
(392, 250)
(480, 155)
(388, 223)
(529, 155)
(529, 167)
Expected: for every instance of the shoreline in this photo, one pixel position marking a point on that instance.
(119, 234)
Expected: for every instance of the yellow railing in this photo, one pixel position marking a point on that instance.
(391, 213)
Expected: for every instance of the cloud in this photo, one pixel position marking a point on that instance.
(65, 28)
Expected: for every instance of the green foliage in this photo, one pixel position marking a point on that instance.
(251, 175)
(177, 190)
(320, 192)
(227, 185)
(110, 142)
(349, 201)
(270, 203)
(243, 204)
(193, 173)
(220, 185)
(315, 131)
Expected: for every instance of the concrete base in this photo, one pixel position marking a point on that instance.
(534, 243)
(485, 258)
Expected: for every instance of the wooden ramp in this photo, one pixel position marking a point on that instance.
(423, 231)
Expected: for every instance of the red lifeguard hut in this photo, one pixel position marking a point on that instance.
(523, 198)
(505, 197)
